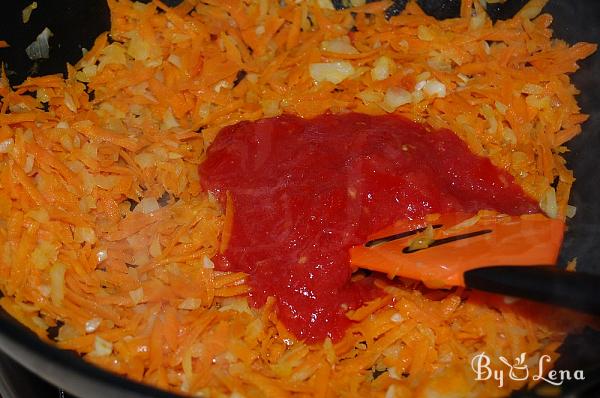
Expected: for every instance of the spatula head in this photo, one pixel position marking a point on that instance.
(439, 249)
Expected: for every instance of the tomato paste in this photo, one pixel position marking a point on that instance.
(306, 190)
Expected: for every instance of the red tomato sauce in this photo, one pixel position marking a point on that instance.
(305, 191)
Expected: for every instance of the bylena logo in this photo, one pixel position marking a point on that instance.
(519, 370)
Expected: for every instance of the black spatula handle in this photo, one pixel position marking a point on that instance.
(548, 284)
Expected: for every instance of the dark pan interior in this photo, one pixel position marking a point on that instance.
(76, 23)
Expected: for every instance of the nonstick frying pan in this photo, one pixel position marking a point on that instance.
(76, 23)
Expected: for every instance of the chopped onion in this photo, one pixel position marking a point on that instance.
(84, 234)
(501, 107)
(137, 295)
(92, 325)
(44, 254)
(155, 248)
(391, 390)
(149, 205)
(270, 108)
(424, 33)
(340, 45)
(420, 85)
(40, 49)
(57, 283)
(175, 60)
(396, 96)
(326, 4)
(190, 304)
(40, 215)
(369, 96)
(509, 136)
(6, 145)
(70, 103)
(101, 255)
(397, 318)
(548, 203)
(106, 182)
(28, 166)
(434, 88)
(138, 48)
(145, 160)
(169, 120)
(221, 85)
(334, 72)
(102, 348)
(422, 240)
(207, 263)
(382, 68)
(39, 322)
(26, 13)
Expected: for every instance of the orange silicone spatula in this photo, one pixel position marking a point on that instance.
(489, 252)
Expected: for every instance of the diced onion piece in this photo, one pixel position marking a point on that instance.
(538, 102)
(396, 318)
(145, 160)
(102, 348)
(221, 85)
(501, 107)
(169, 120)
(57, 283)
(396, 96)
(207, 263)
(149, 205)
(44, 254)
(532, 9)
(326, 4)
(101, 255)
(548, 203)
(87, 203)
(340, 45)
(530, 88)
(370, 96)
(106, 182)
(175, 60)
(28, 166)
(422, 240)
(137, 295)
(424, 33)
(155, 248)
(270, 108)
(391, 391)
(92, 325)
(70, 103)
(40, 215)
(39, 322)
(334, 72)
(138, 48)
(571, 211)
(190, 304)
(84, 234)
(26, 13)
(45, 290)
(434, 88)
(382, 68)
(6, 145)
(40, 49)
(509, 136)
